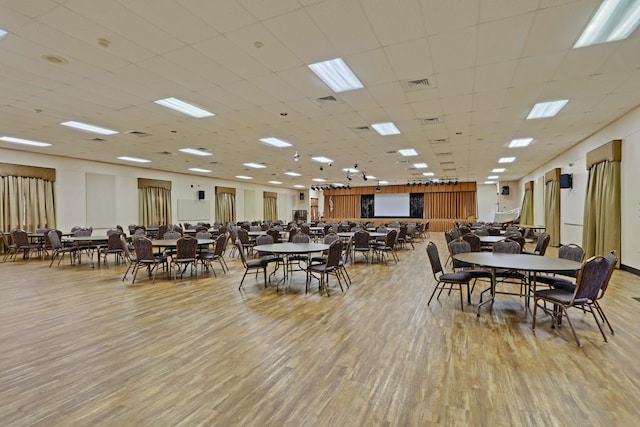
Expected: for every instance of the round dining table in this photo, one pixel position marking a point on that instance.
(523, 262)
(285, 249)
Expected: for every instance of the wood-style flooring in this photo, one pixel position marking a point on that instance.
(80, 347)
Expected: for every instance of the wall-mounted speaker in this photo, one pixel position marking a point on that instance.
(301, 196)
(505, 190)
(200, 194)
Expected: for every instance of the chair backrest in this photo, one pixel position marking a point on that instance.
(591, 277)
(114, 241)
(402, 232)
(112, 231)
(335, 253)
(292, 233)
(459, 246)
(20, 238)
(361, 240)
(264, 239)
(186, 247)
(301, 238)
(347, 251)
(255, 228)
(493, 231)
(275, 234)
(571, 252)
(203, 235)
(518, 239)
(243, 235)
(171, 235)
(143, 248)
(434, 259)
(507, 246)
(125, 247)
(542, 243)
(162, 230)
(391, 238)
(83, 232)
(512, 228)
(241, 252)
(473, 240)
(613, 260)
(54, 239)
(221, 244)
(330, 238)
(481, 232)
(464, 230)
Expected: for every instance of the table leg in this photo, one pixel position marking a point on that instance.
(493, 290)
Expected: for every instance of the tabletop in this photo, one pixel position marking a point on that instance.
(372, 234)
(518, 261)
(166, 243)
(292, 248)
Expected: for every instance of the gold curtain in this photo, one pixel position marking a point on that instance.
(26, 203)
(270, 209)
(154, 205)
(526, 213)
(552, 211)
(602, 217)
(225, 207)
(344, 206)
(460, 204)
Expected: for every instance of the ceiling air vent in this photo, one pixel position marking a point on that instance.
(98, 139)
(137, 133)
(360, 129)
(430, 121)
(166, 153)
(329, 98)
(421, 83)
(439, 141)
(391, 152)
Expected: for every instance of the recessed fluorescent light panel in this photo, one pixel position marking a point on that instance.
(184, 107)
(275, 182)
(255, 165)
(614, 20)
(292, 173)
(319, 180)
(383, 182)
(243, 177)
(408, 152)
(134, 159)
(350, 170)
(194, 151)
(371, 177)
(298, 186)
(420, 165)
(386, 128)
(336, 74)
(24, 141)
(546, 109)
(2, 33)
(322, 159)
(498, 170)
(506, 159)
(493, 177)
(89, 128)
(276, 142)
(428, 173)
(489, 182)
(199, 170)
(520, 142)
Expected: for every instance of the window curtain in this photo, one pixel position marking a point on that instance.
(154, 205)
(552, 206)
(27, 203)
(526, 213)
(225, 207)
(602, 213)
(270, 206)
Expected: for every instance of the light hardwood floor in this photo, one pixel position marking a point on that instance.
(81, 347)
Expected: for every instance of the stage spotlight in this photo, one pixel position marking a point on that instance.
(364, 176)
(355, 166)
(296, 157)
(441, 182)
(455, 182)
(349, 177)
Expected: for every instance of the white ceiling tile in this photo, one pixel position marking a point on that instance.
(394, 22)
(492, 10)
(456, 82)
(493, 43)
(410, 60)
(454, 50)
(494, 76)
(445, 16)
(236, 61)
(222, 16)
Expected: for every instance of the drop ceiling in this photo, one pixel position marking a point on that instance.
(477, 66)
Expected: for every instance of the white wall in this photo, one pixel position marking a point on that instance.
(70, 189)
(487, 195)
(627, 128)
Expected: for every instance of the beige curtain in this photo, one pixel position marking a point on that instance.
(459, 204)
(270, 209)
(526, 213)
(602, 217)
(154, 205)
(552, 211)
(26, 203)
(344, 206)
(225, 207)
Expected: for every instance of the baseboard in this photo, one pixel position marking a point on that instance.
(631, 270)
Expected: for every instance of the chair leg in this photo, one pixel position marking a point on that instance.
(243, 276)
(571, 325)
(603, 316)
